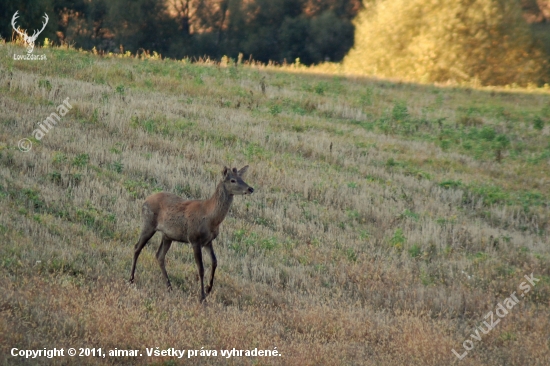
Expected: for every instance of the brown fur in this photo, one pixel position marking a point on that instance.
(196, 222)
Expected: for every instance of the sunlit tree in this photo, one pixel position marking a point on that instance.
(485, 41)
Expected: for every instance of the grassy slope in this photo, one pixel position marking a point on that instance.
(375, 201)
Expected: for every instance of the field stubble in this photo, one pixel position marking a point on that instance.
(387, 218)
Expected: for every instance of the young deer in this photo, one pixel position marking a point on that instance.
(195, 222)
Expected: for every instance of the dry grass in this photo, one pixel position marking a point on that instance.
(374, 202)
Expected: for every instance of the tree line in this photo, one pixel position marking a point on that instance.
(487, 42)
(265, 30)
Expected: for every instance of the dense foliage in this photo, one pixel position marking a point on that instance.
(311, 30)
(486, 41)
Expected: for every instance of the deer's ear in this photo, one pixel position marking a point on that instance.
(225, 171)
(242, 171)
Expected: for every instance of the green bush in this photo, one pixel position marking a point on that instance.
(415, 251)
(538, 123)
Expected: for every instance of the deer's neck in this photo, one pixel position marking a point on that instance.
(220, 203)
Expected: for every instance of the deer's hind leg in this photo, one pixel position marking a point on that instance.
(146, 234)
(161, 254)
(149, 227)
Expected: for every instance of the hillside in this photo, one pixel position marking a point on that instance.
(388, 218)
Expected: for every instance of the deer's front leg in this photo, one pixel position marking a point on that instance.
(198, 260)
(214, 265)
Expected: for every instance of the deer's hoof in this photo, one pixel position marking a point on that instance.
(208, 289)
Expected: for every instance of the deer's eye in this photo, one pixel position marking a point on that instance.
(233, 181)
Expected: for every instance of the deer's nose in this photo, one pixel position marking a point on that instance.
(250, 189)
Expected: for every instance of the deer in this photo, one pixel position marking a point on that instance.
(196, 222)
(29, 40)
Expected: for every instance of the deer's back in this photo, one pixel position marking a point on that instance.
(176, 217)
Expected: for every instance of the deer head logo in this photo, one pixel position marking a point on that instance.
(29, 40)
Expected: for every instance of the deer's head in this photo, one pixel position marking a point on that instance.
(233, 181)
(29, 40)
